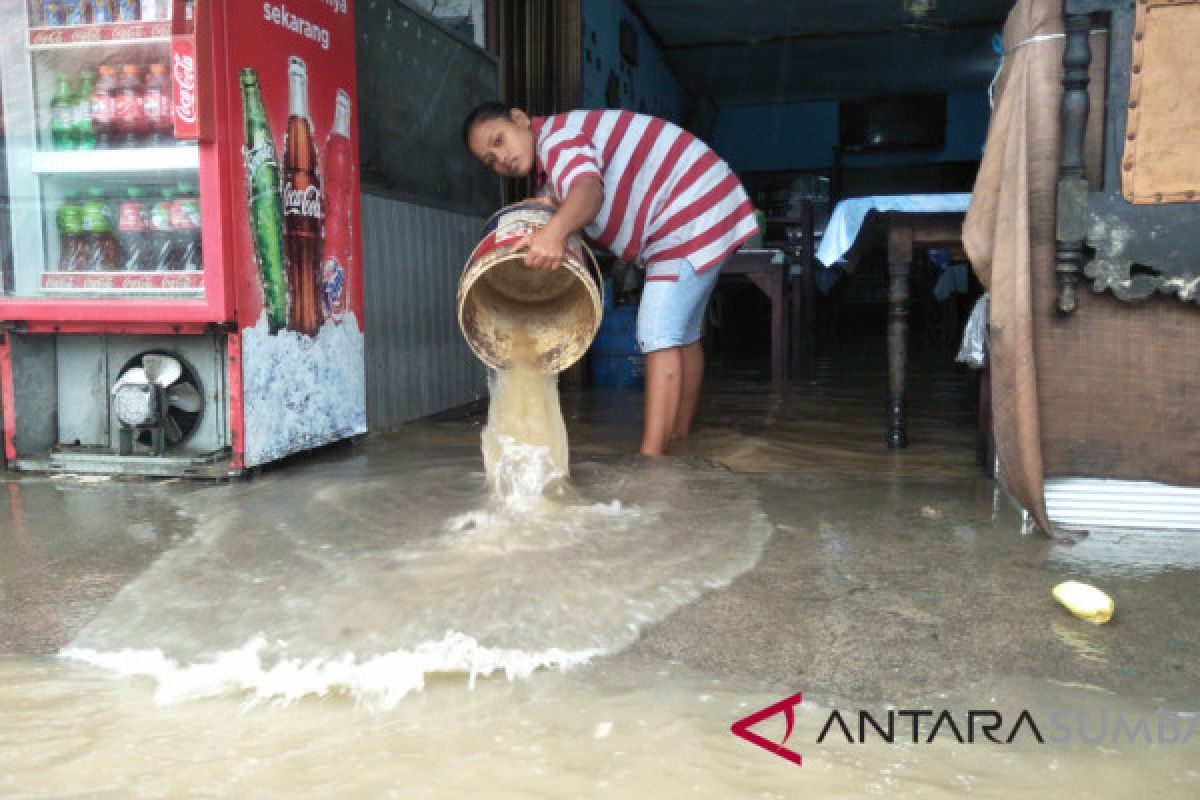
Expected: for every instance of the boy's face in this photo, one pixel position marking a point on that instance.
(504, 144)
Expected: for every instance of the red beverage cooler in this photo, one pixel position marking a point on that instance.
(183, 287)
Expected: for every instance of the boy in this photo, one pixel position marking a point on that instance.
(649, 192)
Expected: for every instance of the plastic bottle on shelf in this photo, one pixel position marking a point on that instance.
(132, 247)
(99, 246)
(70, 233)
(53, 13)
(104, 107)
(131, 117)
(156, 106)
(160, 235)
(85, 131)
(156, 10)
(185, 222)
(103, 11)
(129, 10)
(75, 12)
(62, 115)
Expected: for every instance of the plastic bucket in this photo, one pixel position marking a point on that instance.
(557, 311)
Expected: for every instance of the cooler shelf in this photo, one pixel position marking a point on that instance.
(116, 160)
(117, 33)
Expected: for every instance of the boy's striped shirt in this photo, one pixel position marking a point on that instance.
(667, 195)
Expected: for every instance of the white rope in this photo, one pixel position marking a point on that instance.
(1042, 37)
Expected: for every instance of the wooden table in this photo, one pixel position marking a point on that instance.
(906, 232)
(767, 269)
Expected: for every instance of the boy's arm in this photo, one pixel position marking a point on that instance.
(547, 246)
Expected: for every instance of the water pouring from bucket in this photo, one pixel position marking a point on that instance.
(528, 325)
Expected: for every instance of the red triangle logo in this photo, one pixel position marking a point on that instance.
(742, 728)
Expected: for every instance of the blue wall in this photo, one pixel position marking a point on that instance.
(649, 85)
(802, 135)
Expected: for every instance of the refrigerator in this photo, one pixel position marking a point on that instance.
(182, 292)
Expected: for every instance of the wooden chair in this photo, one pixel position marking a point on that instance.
(1142, 226)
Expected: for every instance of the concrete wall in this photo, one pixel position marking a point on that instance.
(417, 361)
(803, 135)
(648, 86)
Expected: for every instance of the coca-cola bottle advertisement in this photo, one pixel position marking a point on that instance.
(301, 216)
(302, 337)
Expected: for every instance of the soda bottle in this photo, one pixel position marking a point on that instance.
(70, 233)
(131, 118)
(156, 105)
(132, 247)
(263, 202)
(104, 106)
(75, 12)
(339, 210)
(62, 115)
(160, 234)
(99, 246)
(185, 222)
(103, 11)
(53, 13)
(129, 10)
(85, 131)
(155, 10)
(302, 239)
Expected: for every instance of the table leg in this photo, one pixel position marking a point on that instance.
(900, 250)
(773, 287)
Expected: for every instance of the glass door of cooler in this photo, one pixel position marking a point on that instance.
(103, 201)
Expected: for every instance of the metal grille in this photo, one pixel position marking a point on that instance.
(417, 361)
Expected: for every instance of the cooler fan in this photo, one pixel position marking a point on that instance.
(157, 402)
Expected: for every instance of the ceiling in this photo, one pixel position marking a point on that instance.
(739, 52)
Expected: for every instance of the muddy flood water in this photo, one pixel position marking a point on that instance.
(381, 620)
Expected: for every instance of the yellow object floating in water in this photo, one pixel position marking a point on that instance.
(1085, 601)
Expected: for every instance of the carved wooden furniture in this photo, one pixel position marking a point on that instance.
(1143, 224)
(767, 269)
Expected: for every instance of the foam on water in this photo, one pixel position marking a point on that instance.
(365, 580)
(380, 681)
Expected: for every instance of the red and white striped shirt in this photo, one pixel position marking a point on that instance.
(667, 195)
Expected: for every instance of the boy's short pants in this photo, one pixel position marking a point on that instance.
(672, 312)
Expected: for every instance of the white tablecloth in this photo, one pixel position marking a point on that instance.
(848, 215)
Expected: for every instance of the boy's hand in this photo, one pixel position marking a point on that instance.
(545, 249)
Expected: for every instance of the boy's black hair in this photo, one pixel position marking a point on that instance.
(482, 113)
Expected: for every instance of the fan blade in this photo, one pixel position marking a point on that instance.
(161, 369)
(136, 376)
(171, 428)
(185, 397)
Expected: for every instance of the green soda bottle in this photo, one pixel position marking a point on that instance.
(264, 202)
(62, 115)
(99, 246)
(85, 132)
(70, 233)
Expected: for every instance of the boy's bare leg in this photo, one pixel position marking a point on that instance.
(664, 385)
(693, 375)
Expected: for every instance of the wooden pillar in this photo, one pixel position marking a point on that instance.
(1072, 182)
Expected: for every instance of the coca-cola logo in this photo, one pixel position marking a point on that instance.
(104, 107)
(305, 202)
(183, 72)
